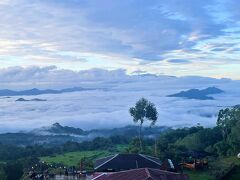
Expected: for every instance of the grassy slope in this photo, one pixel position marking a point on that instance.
(198, 175)
(73, 158)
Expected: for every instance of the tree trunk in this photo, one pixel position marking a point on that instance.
(140, 137)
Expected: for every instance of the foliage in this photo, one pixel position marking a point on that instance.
(143, 110)
(13, 170)
(201, 139)
(227, 118)
(134, 146)
(3, 175)
(229, 123)
(171, 143)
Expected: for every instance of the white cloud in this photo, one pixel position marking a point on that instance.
(108, 105)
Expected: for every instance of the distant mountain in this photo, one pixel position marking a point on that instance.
(57, 129)
(57, 134)
(198, 94)
(26, 100)
(35, 91)
(53, 134)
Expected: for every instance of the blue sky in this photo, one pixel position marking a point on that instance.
(172, 37)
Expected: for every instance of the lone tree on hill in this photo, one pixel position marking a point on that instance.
(143, 110)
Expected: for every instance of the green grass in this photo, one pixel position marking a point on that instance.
(73, 158)
(198, 175)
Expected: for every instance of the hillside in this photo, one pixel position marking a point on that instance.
(57, 134)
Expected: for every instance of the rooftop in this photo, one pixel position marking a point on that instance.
(120, 162)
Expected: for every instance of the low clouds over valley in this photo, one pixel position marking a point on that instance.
(107, 102)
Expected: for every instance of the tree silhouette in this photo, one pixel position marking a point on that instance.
(142, 111)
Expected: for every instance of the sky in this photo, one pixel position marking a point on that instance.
(161, 37)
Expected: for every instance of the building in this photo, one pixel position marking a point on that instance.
(121, 162)
(142, 174)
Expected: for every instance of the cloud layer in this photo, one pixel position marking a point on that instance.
(107, 106)
(155, 36)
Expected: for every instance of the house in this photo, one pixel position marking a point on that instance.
(121, 162)
(142, 174)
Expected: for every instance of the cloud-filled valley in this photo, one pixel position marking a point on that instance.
(106, 104)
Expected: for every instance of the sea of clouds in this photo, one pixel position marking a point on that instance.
(107, 104)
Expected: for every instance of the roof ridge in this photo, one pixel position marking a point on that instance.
(148, 173)
(159, 170)
(149, 159)
(100, 175)
(138, 169)
(106, 156)
(106, 161)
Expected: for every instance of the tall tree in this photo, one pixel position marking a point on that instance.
(227, 118)
(142, 111)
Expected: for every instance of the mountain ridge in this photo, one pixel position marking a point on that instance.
(35, 91)
(198, 94)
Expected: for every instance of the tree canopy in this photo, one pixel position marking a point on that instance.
(142, 111)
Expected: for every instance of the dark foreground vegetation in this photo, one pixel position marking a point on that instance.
(222, 143)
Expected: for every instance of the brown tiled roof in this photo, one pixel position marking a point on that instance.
(143, 174)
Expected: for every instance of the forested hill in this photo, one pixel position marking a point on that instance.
(57, 134)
